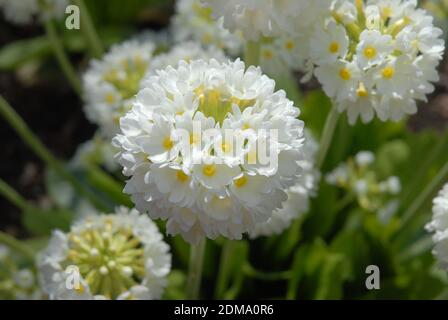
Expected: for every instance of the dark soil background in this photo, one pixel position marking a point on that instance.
(54, 113)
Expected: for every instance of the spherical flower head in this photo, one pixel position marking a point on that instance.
(439, 226)
(195, 144)
(24, 11)
(193, 21)
(377, 57)
(114, 256)
(112, 82)
(299, 195)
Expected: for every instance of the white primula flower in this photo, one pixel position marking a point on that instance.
(330, 44)
(23, 12)
(115, 256)
(299, 195)
(267, 18)
(394, 48)
(111, 83)
(211, 180)
(193, 21)
(439, 226)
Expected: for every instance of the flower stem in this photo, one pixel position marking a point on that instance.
(425, 195)
(9, 193)
(89, 29)
(327, 136)
(36, 145)
(16, 245)
(252, 53)
(61, 56)
(224, 268)
(195, 269)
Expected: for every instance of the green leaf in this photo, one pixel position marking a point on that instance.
(17, 53)
(43, 222)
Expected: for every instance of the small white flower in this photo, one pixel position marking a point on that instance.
(329, 44)
(439, 226)
(340, 79)
(364, 158)
(115, 256)
(207, 185)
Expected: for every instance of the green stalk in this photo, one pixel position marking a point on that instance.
(36, 145)
(420, 174)
(16, 245)
(11, 195)
(327, 136)
(88, 29)
(224, 268)
(266, 276)
(61, 56)
(98, 177)
(425, 195)
(195, 270)
(252, 53)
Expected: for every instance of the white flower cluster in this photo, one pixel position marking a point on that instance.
(378, 56)
(16, 282)
(298, 200)
(267, 18)
(24, 11)
(110, 84)
(115, 256)
(193, 21)
(210, 188)
(439, 225)
(358, 177)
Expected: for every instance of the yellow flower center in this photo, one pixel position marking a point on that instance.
(387, 12)
(226, 147)
(109, 98)
(289, 45)
(217, 104)
(267, 54)
(209, 170)
(167, 143)
(109, 258)
(370, 52)
(181, 176)
(345, 74)
(241, 182)
(334, 47)
(362, 91)
(388, 72)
